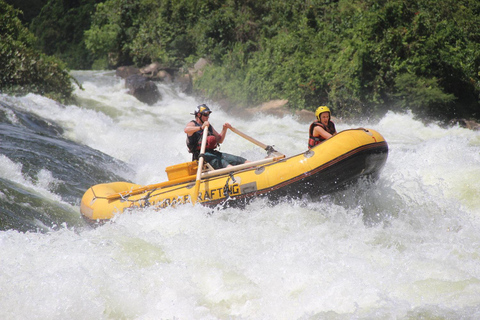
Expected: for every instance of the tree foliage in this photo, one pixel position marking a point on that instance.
(60, 27)
(362, 57)
(29, 8)
(24, 69)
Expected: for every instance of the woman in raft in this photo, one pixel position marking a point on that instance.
(322, 129)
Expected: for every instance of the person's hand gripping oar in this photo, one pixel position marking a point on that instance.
(200, 165)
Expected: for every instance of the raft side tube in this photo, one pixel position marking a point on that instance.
(90, 203)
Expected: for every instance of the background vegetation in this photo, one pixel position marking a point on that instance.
(23, 68)
(361, 57)
(59, 28)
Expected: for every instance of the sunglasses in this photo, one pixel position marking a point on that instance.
(206, 114)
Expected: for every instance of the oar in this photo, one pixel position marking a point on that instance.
(132, 192)
(205, 175)
(200, 165)
(269, 149)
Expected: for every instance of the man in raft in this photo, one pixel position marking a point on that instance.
(194, 131)
(322, 129)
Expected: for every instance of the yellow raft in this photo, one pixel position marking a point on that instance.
(334, 164)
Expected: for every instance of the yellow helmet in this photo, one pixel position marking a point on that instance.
(321, 110)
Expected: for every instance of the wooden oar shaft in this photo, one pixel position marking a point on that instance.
(240, 167)
(258, 143)
(204, 175)
(150, 187)
(269, 149)
(200, 165)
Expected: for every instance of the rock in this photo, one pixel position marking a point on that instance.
(464, 123)
(143, 89)
(164, 76)
(200, 64)
(184, 83)
(272, 107)
(155, 71)
(305, 116)
(198, 67)
(276, 108)
(126, 71)
(151, 70)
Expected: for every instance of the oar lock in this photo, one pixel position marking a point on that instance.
(226, 190)
(270, 149)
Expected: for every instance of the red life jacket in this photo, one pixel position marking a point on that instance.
(211, 143)
(313, 141)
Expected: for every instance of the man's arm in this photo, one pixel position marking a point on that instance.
(221, 136)
(191, 128)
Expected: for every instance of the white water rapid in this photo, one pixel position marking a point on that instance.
(407, 247)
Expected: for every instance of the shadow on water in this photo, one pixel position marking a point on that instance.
(64, 168)
(377, 201)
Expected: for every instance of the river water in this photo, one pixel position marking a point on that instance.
(405, 247)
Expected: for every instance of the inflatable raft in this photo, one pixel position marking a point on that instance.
(334, 164)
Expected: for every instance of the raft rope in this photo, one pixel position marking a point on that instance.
(226, 190)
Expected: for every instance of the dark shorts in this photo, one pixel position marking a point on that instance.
(220, 160)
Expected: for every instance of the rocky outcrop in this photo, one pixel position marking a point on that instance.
(198, 67)
(143, 89)
(156, 72)
(273, 107)
(277, 108)
(141, 82)
(464, 123)
(184, 83)
(127, 71)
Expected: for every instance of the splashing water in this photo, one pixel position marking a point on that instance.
(405, 247)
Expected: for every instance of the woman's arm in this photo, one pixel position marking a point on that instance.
(318, 131)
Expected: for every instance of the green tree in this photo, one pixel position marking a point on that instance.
(60, 27)
(29, 8)
(361, 57)
(23, 69)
